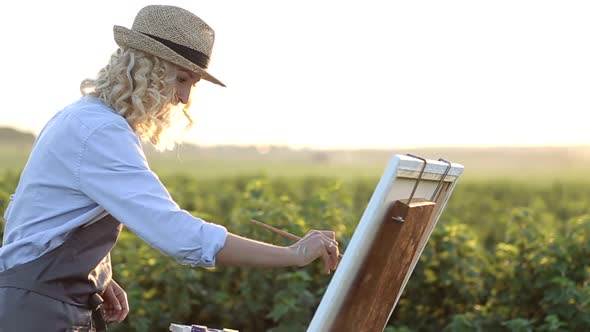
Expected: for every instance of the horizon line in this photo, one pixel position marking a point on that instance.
(267, 146)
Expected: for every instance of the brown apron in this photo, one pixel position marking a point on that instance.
(60, 291)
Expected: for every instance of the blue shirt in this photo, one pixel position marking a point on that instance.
(88, 162)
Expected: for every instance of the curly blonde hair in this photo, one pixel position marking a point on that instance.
(141, 88)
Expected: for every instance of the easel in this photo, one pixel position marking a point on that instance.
(381, 280)
(401, 235)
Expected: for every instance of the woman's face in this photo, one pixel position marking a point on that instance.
(185, 81)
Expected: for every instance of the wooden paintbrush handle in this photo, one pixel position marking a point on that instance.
(277, 231)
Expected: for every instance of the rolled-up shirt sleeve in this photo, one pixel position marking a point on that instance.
(115, 174)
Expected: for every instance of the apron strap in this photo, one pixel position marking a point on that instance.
(95, 303)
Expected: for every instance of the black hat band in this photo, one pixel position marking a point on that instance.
(194, 56)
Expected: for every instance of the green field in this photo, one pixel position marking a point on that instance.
(511, 251)
(505, 256)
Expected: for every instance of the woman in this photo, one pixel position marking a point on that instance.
(87, 176)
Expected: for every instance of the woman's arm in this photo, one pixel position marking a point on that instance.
(246, 252)
(114, 173)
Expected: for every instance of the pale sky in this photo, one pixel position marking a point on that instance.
(334, 74)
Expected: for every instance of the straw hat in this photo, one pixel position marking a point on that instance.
(173, 34)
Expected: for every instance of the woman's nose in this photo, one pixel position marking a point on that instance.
(182, 96)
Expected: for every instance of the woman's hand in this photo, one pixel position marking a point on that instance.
(317, 244)
(115, 306)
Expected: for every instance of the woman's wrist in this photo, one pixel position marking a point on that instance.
(293, 256)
